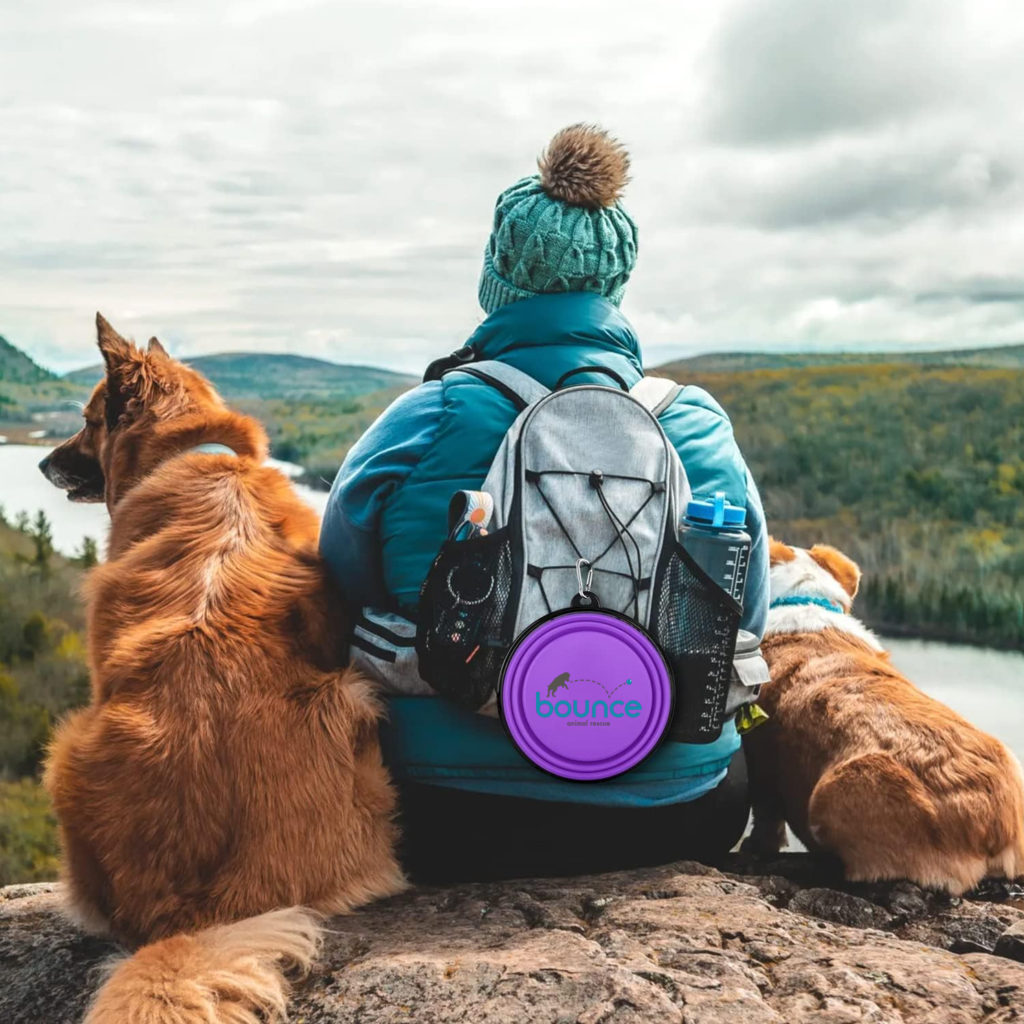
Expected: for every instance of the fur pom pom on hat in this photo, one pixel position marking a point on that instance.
(584, 166)
(564, 229)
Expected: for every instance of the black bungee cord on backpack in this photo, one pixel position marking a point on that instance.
(621, 532)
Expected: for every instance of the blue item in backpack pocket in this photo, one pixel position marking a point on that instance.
(713, 535)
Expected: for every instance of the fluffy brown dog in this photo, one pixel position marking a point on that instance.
(224, 769)
(858, 760)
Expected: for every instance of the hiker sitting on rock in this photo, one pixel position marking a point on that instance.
(555, 269)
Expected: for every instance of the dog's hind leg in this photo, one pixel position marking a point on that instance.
(87, 889)
(769, 833)
(880, 821)
(1009, 862)
(763, 758)
(87, 884)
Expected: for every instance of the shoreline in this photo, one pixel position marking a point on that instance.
(22, 435)
(939, 635)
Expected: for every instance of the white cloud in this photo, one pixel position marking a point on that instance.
(320, 177)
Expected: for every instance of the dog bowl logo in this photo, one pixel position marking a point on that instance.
(592, 708)
(586, 695)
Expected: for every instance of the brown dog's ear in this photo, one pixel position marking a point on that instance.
(779, 552)
(845, 570)
(133, 376)
(154, 348)
(117, 353)
(116, 350)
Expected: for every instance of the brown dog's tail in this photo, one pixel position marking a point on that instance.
(228, 974)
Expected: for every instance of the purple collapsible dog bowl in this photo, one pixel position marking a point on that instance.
(586, 694)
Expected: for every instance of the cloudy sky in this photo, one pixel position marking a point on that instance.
(319, 177)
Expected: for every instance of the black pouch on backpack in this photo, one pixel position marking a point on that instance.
(695, 623)
(466, 618)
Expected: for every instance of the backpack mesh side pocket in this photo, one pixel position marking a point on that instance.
(695, 622)
(466, 617)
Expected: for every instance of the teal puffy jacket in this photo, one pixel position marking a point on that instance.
(387, 517)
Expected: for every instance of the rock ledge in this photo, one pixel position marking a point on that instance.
(682, 943)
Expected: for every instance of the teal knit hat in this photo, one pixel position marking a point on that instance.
(563, 230)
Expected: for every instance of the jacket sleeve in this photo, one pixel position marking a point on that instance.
(756, 594)
(376, 465)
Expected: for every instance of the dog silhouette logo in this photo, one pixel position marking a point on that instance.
(559, 682)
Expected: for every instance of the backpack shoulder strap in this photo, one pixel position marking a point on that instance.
(656, 393)
(519, 387)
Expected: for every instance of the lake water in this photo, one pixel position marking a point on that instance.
(985, 686)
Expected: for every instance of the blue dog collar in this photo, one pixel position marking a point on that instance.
(797, 600)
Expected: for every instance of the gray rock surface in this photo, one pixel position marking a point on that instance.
(684, 943)
(1011, 942)
(799, 883)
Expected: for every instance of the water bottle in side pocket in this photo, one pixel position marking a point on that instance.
(714, 536)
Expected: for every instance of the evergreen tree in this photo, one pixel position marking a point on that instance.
(42, 538)
(89, 555)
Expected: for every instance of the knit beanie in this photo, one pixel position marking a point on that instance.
(564, 229)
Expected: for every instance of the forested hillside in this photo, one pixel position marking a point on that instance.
(26, 388)
(915, 471)
(18, 368)
(42, 674)
(317, 433)
(28, 391)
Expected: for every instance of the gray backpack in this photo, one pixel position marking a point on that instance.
(582, 502)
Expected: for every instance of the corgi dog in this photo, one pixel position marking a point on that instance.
(859, 762)
(224, 788)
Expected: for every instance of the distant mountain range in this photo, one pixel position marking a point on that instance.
(1010, 357)
(245, 375)
(253, 381)
(258, 375)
